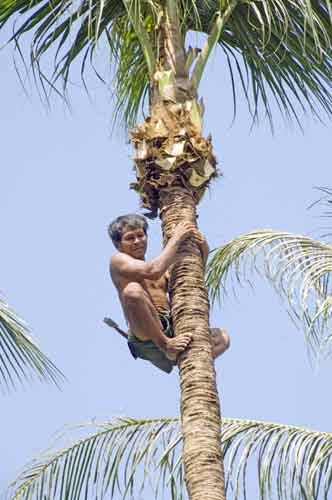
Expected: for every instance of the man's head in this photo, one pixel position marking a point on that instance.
(129, 234)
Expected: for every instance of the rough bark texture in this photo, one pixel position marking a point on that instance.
(200, 408)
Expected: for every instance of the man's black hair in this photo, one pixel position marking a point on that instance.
(129, 221)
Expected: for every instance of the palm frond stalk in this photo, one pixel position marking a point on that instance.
(298, 267)
(20, 358)
(117, 458)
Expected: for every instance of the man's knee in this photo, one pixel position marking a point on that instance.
(220, 336)
(133, 293)
(226, 339)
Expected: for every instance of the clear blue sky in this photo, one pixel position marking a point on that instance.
(63, 178)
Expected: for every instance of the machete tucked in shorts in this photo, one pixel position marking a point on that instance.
(149, 351)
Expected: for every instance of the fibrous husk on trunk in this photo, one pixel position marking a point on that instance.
(171, 151)
(200, 407)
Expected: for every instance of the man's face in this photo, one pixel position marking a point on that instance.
(133, 243)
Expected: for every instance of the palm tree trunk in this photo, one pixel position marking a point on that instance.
(174, 164)
(200, 406)
(200, 409)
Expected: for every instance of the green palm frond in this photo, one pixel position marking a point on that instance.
(281, 50)
(299, 268)
(20, 357)
(125, 457)
(72, 33)
(131, 78)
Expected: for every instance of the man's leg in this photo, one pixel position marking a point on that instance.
(220, 341)
(145, 324)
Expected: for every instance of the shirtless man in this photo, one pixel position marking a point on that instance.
(143, 291)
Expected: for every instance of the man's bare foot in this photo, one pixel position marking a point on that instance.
(177, 345)
(220, 341)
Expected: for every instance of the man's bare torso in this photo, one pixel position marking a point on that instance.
(157, 289)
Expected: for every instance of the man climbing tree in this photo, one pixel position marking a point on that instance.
(143, 291)
(281, 50)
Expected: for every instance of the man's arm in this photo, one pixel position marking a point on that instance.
(131, 268)
(204, 248)
(202, 245)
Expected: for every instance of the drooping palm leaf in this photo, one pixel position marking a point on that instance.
(280, 49)
(327, 198)
(117, 456)
(20, 357)
(299, 268)
(131, 78)
(72, 30)
(325, 203)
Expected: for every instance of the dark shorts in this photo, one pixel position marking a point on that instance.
(148, 351)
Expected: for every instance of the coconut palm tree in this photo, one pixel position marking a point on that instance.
(20, 357)
(125, 457)
(280, 50)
